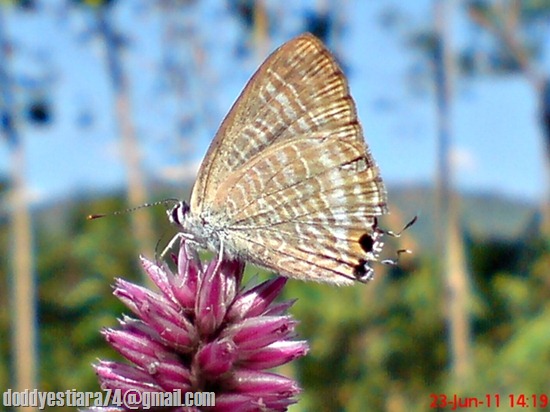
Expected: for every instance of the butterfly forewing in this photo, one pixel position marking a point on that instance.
(288, 182)
(298, 89)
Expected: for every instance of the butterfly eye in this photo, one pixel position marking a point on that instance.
(177, 214)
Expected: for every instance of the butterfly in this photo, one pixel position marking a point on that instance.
(288, 182)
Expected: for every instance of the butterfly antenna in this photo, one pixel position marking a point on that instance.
(131, 209)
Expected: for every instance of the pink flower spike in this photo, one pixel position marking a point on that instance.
(201, 332)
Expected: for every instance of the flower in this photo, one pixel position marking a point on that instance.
(203, 333)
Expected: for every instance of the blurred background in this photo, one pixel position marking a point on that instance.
(109, 104)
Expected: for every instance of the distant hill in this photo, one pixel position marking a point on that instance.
(483, 216)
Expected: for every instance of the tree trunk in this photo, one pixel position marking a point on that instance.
(453, 265)
(22, 282)
(137, 191)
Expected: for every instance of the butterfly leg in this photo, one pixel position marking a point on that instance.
(177, 238)
(220, 256)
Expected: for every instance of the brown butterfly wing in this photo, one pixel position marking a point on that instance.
(304, 207)
(289, 179)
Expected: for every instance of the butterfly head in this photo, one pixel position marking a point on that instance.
(193, 228)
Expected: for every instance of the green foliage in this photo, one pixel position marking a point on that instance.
(76, 263)
(370, 341)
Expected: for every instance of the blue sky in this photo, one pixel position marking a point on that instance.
(496, 139)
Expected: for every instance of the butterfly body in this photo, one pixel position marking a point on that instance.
(288, 182)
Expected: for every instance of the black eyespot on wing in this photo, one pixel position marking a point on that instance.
(359, 269)
(367, 242)
(363, 272)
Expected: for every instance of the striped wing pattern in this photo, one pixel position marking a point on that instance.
(288, 182)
